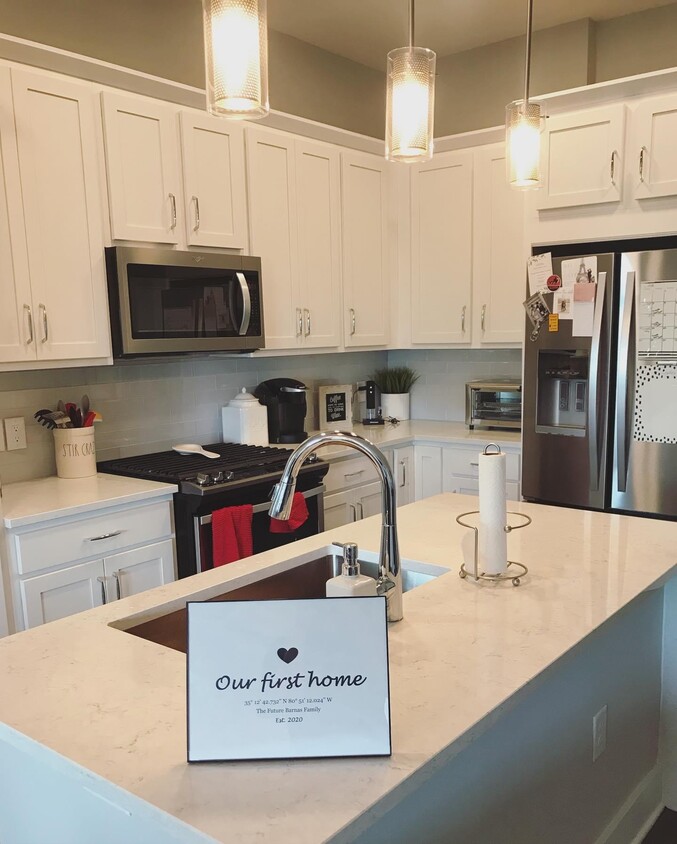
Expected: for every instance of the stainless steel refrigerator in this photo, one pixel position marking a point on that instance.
(600, 382)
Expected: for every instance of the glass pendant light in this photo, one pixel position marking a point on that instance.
(524, 120)
(236, 57)
(410, 100)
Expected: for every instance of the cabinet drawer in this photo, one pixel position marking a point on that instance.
(347, 473)
(97, 536)
(465, 461)
(471, 486)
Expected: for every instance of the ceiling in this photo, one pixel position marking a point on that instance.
(364, 30)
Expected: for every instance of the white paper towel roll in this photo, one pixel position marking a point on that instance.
(493, 540)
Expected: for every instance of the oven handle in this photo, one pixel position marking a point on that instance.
(246, 304)
(260, 508)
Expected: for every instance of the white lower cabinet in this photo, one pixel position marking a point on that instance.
(352, 505)
(401, 461)
(460, 471)
(428, 471)
(91, 561)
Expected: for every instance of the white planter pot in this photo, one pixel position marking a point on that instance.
(75, 452)
(395, 405)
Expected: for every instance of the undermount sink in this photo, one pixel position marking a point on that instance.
(307, 579)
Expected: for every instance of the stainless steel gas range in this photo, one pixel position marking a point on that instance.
(242, 474)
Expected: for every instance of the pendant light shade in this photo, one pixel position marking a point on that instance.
(524, 121)
(236, 57)
(410, 101)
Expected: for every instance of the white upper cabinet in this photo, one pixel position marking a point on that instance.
(213, 179)
(366, 282)
(319, 240)
(57, 143)
(582, 157)
(271, 178)
(142, 157)
(655, 148)
(441, 272)
(17, 330)
(499, 251)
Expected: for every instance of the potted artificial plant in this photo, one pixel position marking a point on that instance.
(395, 382)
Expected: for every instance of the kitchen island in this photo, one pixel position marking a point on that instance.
(477, 672)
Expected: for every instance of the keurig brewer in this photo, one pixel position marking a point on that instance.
(285, 401)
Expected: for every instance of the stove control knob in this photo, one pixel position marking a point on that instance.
(203, 479)
(217, 477)
(228, 476)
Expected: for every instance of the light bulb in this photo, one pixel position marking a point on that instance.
(410, 104)
(523, 144)
(236, 57)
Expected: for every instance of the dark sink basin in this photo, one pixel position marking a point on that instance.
(306, 580)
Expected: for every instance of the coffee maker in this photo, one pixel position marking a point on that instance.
(285, 401)
(369, 401)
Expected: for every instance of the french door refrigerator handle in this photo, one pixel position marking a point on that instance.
(624, 349)
(593, 434)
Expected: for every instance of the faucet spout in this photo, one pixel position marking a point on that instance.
(390, 575)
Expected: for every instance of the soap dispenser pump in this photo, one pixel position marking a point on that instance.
(351, 583)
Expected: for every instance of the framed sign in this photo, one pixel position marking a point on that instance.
(288, 679)
(336, 405)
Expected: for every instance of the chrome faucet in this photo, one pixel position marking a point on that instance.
(389, 581)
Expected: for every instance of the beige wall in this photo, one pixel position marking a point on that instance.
(637, 43)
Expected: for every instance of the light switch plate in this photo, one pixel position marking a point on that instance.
(15, 431)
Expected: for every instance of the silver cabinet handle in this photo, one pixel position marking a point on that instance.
(626, 354)
(196, 202)
(172, 199)
(642, 153)
(474, 464)
(299, 322)
(353, 324)
(403, 464)
(593, 454)
(483, 316)
(354, 509)
(102, 581)
(118, 588)
(353, 474)
(246, 304)
(45, 325)
(103, 536)
(612, 167)
(306, 312)
(463, 309)
(31, 337)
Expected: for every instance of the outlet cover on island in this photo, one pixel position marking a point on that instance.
(15, 431)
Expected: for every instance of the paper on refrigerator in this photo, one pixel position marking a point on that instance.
(539, 270)
(583, 310)
(579, 270)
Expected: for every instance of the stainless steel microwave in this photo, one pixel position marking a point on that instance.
(165, 302)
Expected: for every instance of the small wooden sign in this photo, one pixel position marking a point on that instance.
(336, 406)
(288, 679)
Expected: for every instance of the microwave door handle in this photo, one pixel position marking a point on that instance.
(246, 304)
(624, 358)
(593, 444)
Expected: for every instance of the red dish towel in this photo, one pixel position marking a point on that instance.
(232, 534)
(299, 516)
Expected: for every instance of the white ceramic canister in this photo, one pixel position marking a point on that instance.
(395, 405)
(245, 420)
(75, 452)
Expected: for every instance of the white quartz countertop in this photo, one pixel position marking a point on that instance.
(462, 655)
(33, 502)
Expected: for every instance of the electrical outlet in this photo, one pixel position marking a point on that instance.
(15, 431)
(599, 733)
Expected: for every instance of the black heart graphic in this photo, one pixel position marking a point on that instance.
(288, 655)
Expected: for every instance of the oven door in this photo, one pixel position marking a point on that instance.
(165, 302)
(263, 539)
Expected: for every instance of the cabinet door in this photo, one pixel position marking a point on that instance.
(365, 254)
(48, 597)
(428, 471)
(17, 330)
(499, 254)
(582, 158)
(59, 163)
(339, 510)
(271, 179)
(142, 568)
(368, 500)
(441, 249)
(404, 470)
(655, 145)
(142, 158)
(318, 213)
(214, 181)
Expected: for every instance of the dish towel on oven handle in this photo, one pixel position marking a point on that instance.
(232, 534)
(299, 516)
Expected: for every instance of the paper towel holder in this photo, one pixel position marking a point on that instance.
(476, 574)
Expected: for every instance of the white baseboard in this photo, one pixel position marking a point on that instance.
(638, 814)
